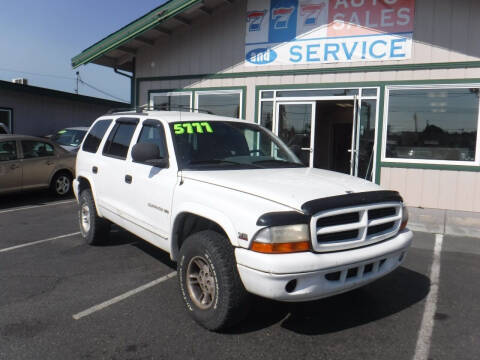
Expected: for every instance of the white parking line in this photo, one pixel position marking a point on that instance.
(426, 329)
(36, 206)
(37, 242)
(119, 298)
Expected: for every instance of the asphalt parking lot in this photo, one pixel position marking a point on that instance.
(61, 299)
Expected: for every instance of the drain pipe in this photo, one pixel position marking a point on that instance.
(132, 81)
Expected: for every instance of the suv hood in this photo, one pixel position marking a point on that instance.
(291, 187)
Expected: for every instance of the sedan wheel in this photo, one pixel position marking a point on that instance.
(61, 184)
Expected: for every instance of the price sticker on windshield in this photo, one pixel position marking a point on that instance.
(192, 127)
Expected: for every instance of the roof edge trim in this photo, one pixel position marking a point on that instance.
(142, 24)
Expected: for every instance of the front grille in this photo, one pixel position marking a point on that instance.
(381, 212)
(339, 236)
(380, 228)
(338, 219)
(355, 226)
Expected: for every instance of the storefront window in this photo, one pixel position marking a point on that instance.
(171, 101)
(432, 124)
(223, 103)
(6, 118)
(266, 117)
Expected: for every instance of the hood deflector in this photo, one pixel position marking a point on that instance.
(340, 201)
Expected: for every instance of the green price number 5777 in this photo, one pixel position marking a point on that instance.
(190, 128)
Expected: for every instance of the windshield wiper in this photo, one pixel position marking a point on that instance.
(276, 161)
(219, 161)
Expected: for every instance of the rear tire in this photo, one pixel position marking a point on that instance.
(93, 228)
(209, 282)
(61, 184)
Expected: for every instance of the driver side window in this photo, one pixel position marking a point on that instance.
(153, 133)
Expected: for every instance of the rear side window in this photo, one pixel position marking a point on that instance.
(119, 139)
(95, 136)
(8, 150)
(153, 133)
(35, 149)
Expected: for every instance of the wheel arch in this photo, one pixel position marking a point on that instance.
(190, 221)
(58, 171)
(85, 183)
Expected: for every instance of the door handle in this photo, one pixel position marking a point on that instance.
(14, 166)
(128, 179)
(49, 162)
(95, 169)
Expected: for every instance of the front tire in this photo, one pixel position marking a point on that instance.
(93, 228)
(209, 282)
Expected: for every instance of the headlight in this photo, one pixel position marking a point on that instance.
(403, 225)
(282, 239)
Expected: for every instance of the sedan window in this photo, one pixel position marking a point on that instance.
(34, 149)
(8, 151)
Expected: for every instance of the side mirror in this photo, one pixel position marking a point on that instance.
(148, 154)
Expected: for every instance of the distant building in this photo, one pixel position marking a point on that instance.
(32, 110)
(383, 90)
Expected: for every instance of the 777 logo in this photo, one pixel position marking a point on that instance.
(311, 12)
(280, 16)
(255, 19)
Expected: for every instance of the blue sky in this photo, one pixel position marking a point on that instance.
(41, 36)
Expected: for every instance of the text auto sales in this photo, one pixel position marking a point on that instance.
(334, 50)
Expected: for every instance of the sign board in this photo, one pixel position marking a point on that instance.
(291, 32)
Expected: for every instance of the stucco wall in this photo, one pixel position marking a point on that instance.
(445, 30)
(435, 189)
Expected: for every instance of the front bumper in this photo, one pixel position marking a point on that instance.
(316, 275)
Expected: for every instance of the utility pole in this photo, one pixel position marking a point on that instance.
(76, 89)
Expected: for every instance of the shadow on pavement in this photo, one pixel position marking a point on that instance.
(385, 297)
(30, 198)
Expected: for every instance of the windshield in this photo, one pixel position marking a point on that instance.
(229, 145)
(69, 137)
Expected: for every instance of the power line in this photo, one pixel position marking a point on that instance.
(37, 74)
(100, 91)
(67, 78)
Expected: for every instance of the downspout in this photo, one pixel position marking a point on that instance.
(132, 81)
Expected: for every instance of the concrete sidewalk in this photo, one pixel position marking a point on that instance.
(450, 222)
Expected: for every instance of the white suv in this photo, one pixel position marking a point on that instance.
(236, 210)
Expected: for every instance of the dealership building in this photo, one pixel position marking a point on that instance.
(386, 90)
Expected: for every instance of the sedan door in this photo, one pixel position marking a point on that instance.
(10, 167)
(38, 163)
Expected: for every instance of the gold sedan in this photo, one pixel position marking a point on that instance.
(28, 162)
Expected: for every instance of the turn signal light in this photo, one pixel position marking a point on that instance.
(404, 222)
(281, 248)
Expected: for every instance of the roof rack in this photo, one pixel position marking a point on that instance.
(143, 108)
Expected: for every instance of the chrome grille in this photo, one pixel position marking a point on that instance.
(355, 226)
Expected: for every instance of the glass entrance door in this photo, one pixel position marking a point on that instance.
(363, 138)
(295, 125)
